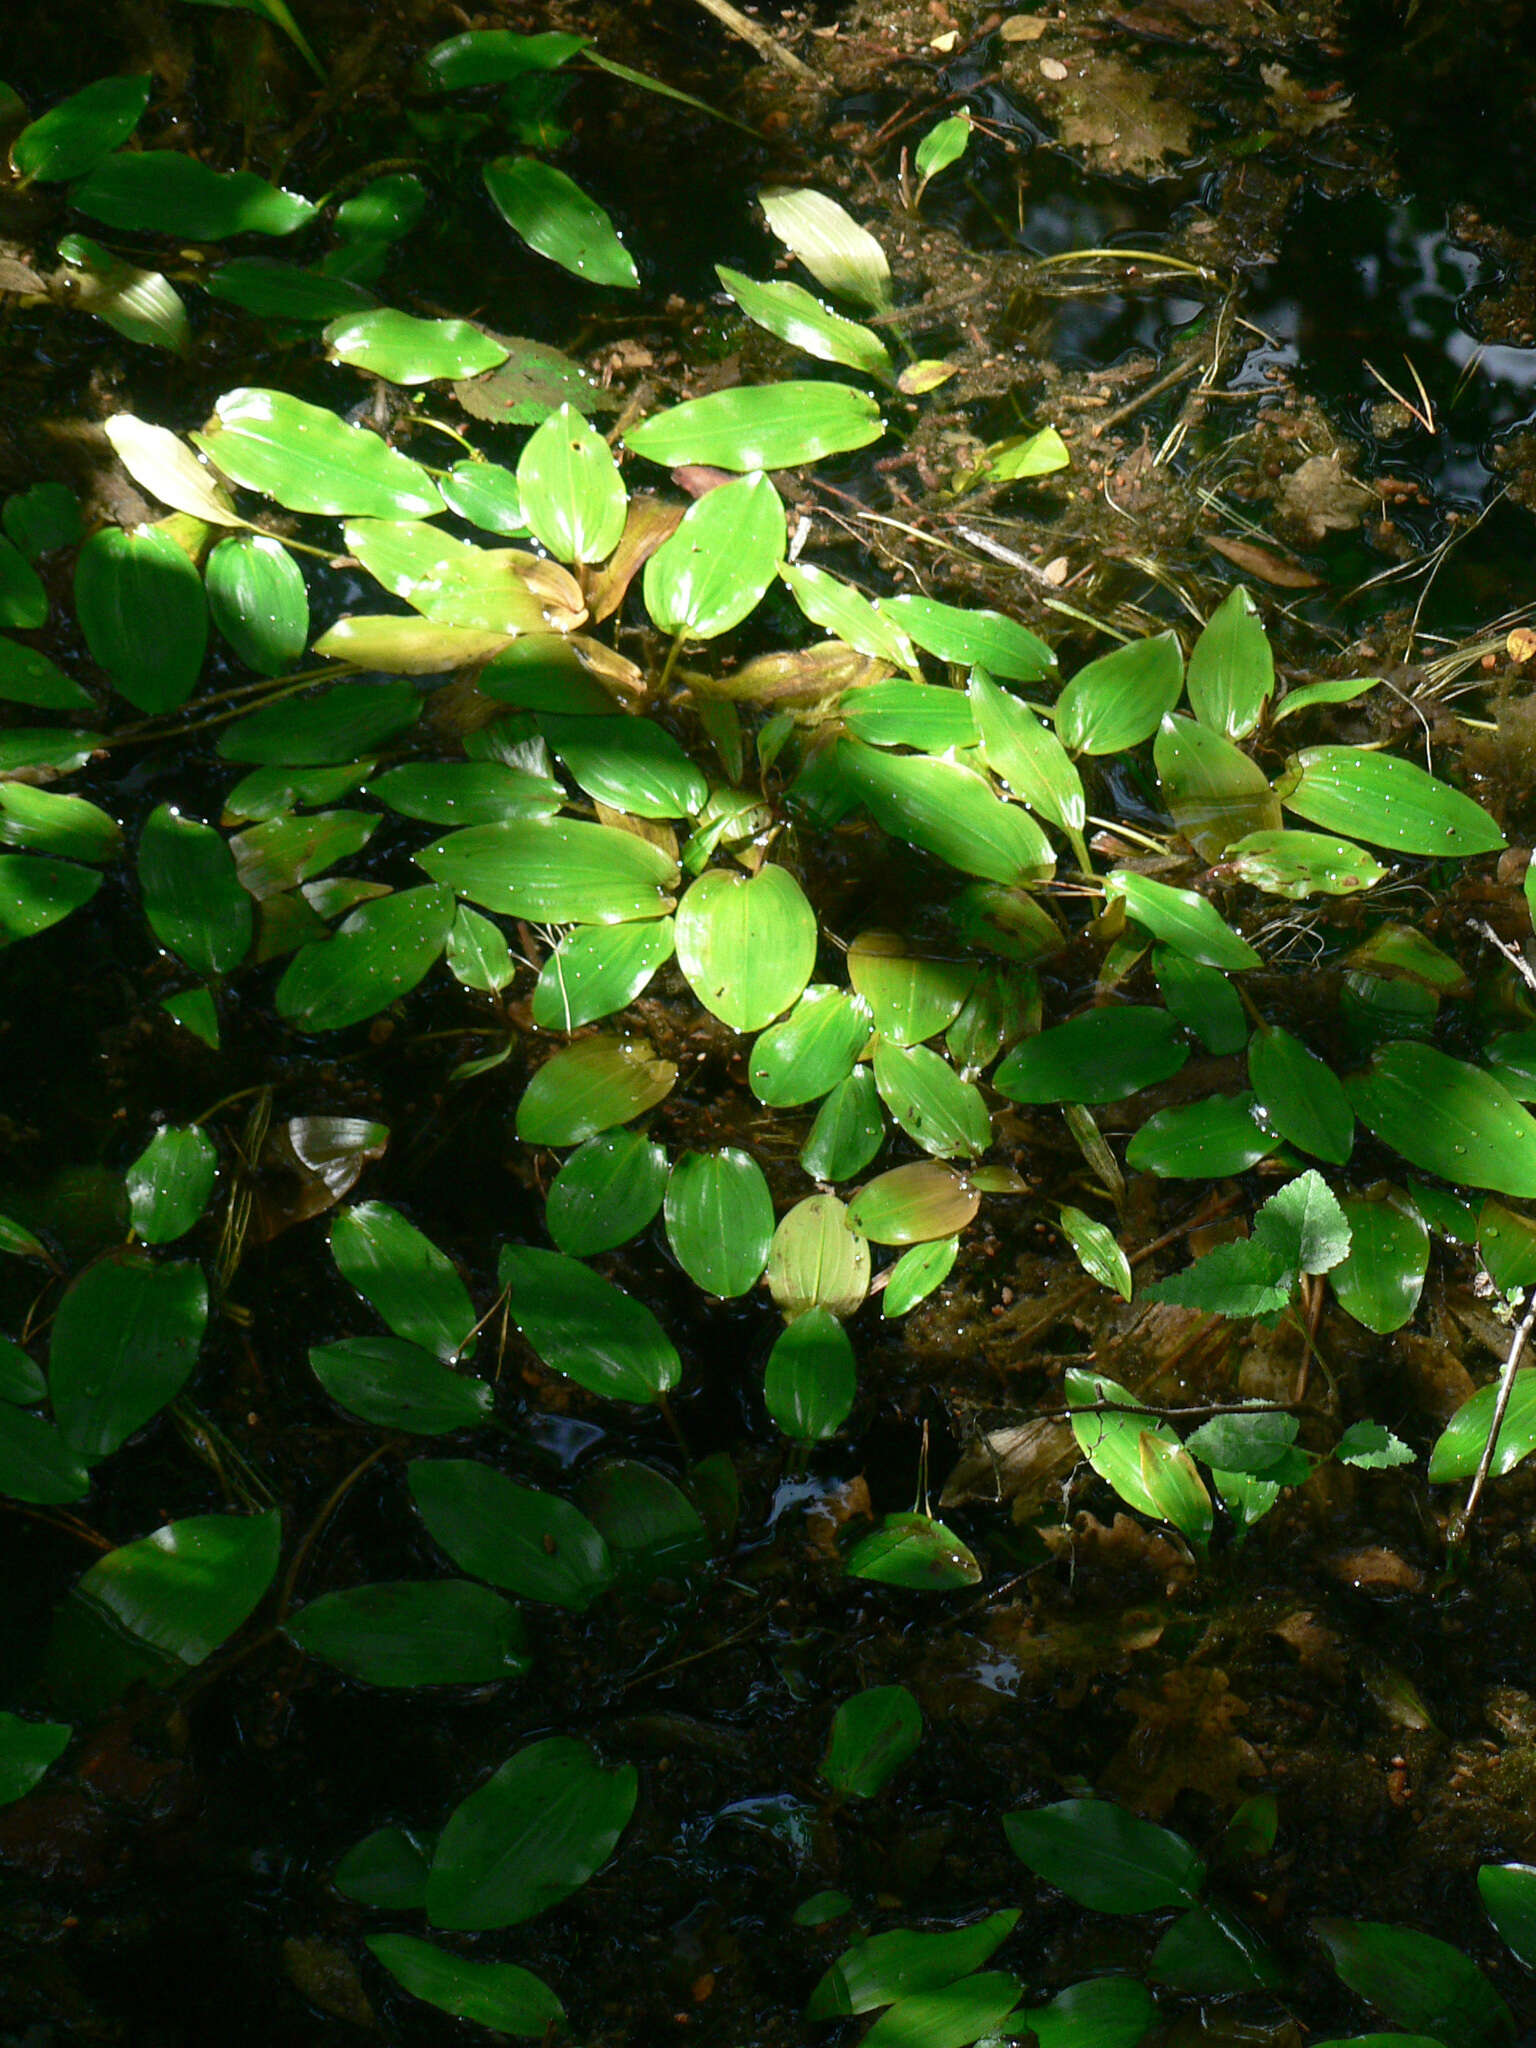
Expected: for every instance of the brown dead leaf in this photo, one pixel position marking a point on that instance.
(1123, 1555)
(1023, 28)
(839, 1504)
(1321, 497)
(1115, 117)
(1021, 1462)
(1184, 1740)
(649, 521)
(1295, 107)
(1316, 1647)
(1372, 1569)
(1284, 571)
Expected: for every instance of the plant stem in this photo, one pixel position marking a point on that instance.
(1460, 1524)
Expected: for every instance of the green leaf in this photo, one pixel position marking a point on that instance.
(952, 2018)
(1380, 1282)
(1241, 1279)
(916, 1553)
(123, 1345)
(1232, 671)
(1102, 2012)
(404, 350)
(397, 1385)
(605, 1193)
(556, 871)
(162, 464)
(46, 747)
(1387, 802)
(1214, 792)
(1098, 1251)
(23, 600)
(841, 610)
(37, 893)
(1458, 1450)
(42, 519)
(719, 1217)
(170, 1182)
(375, 956)
(258, 600)
(1026, 455)
(166, 192)
(1099, 1056)
(466, 792)
(583, 1326)
(27, 677)
(410, 1632)
(848, 1130)
(913, 1204)
(1175, 1489)
(281, 853)
(529, 1837)
(36, 1464)
(572, 496)
(597, 970)
(817, 1261)
(946, 810)
(122, 579)
(799, 318)
(630, 764)
(1202, 1140)
(1508, 1893)
(486, 495)
(812, 1375)
(477, 953)
(184, 1590)
(715, 567)
(873, 1734)
(1420, 1984)
(746, 945)
(1348, 690)
(495, 56)
(651, 1526)
(532, 1543)
(1304, 1226)
(1209, 1953)
(559, 221)
(1104, 1857)
(1301, 864)
(1203, 1000)
(916, 1274)
(413, 1286)
(1506, 1243)
(903, 1963)
(499, 1995)
(820, 1908)
(1180, 918)
(341, 724)
(809, 1051)
(898, 713)
(912, 994)
(830, 243)
(308, 460)
(590, 1087)
(1029, 758)
(944, 144)
(1300, 1096)
(140, 304)
(762, 426)
(27, 1749)
(1447, 1117)
(1122, 698)
(21, 1380)
(75, 134)
(1110, 1437)
(1256, 1444)
(387, 1868)
(283, 291)
(972, 639)
(938, 1111)
(1372, 1447)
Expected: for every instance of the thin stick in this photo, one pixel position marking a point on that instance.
(764, 44)
(1512, 954)
(1462, 1522)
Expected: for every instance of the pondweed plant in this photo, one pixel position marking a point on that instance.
(514, 674)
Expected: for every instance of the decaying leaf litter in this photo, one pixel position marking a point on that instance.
(1311, 1661)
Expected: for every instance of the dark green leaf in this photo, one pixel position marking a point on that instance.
(1181, 918)
(283, 291)
(375, 956)
(873, 1735)
(592, 1086)
(124, 1342)
(122, 579)
(556, 870)
(558, 220)
(36, 1463)
(652, 1528)
(1419, 1983)
(630, 764)
(811, 1049)
(534, 1544)
(257, 597)
(1386, 801)
(1213, 790)
(27, 1749)
(905, 1962)
(414, 1632)
(1301, 1097)
(1209, 1953)
(1104, 1857)
(1508, 1893)
(1120, 700)
(341, 724)
(495, 56)
(37, 893)
(466, 792)
(605, 1193)
(1458, 1449)
(1447, 1117)
(812, 1376)
(1102, 2012)
(499, 1995)
(1202, 1140)
(167, 192)
(719, 1217)
(916, 1553)
(192, 894)
(170, 1182)
(1380, 1282)
(27, 677)
(848, 1130)
(412, 1285)
(396, 1385)
(185, 1590)
(946, 810)
(583, 1326)
(76, 133)
(387, 1868)
(1100, 1056)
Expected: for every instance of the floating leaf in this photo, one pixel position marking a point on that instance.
(1380, 1282)
(1102, 2012)
(797, 317)
(404, 350)
(532, 1543)
(557, 220)
(183, 1591)
(938, 1111)
(912, 994)
(1098, 1251)
(1301, 864)
(719, 1217)
(495, 56)
(812, 1377)
(1384, 800)
(597, 970)
(1419, 1983)
(387, 1868)
(916, 1274)
(1100, 1056)
(27, 677)
(76, 133)
(140, 304)
(37, 893)
(170, 1182)
(830, 243)
(402, 1274)
(280, 15)
(122, 579)
(887, 1967)
(1025, 455)
(873, 1734)
(1106, 1858)
(166, 192)
(944, 144)
(811, 1049)
(466, 792)
(1231, 670)
(1447, 1117)
(499, 1995)
(1029, 757)
(341, 724)
(486, 495)
(630, 764)
(590, 1087)
(914, 1552)
(529, 1837)
(1214, 792)
(1202, 1140)
(556, 871)
(848, 1130)
(1203, 1000)
(1209, 1953)
(284, 291)
(572, 496)
(1459, 1448)
(817, 1260)
(477, 953)
(258, 600)
(1181, 918)
(162, 464)
(913, 1204)
(583, 1326)
(1110, 1437)
(192, 894)
(397, 1385)
(1122, 698)
(374, 957)
(308, 460)
(1347, 690)
(897, 713)
(972, 639)
(652, 1528)
(1300, 1096)
(409, 1632)
(1508, 1893)
(746, 946)
(36, 1464)
(605, 1193)
(946, 810)
(761, 426)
